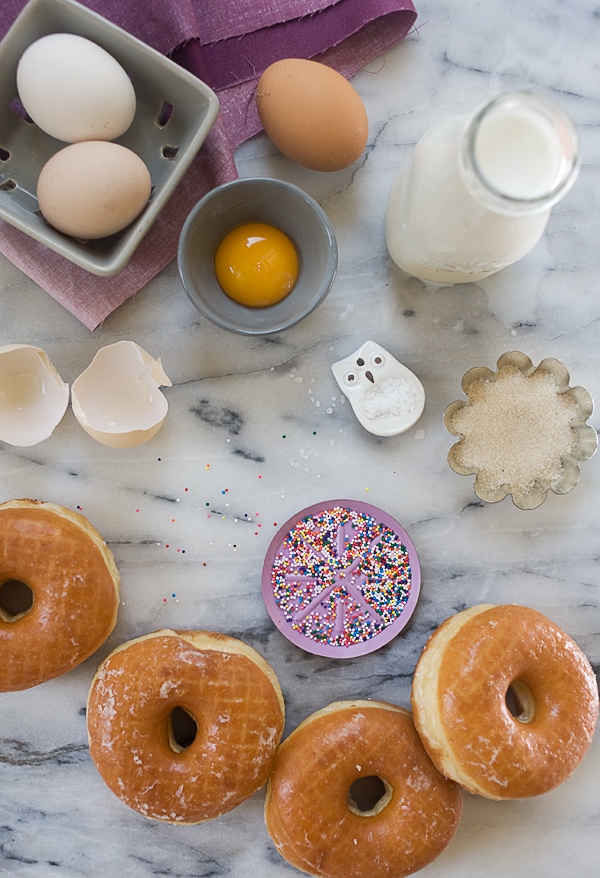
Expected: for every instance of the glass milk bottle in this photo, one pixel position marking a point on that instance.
(476, 194)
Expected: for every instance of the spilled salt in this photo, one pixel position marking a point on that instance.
(514, 430)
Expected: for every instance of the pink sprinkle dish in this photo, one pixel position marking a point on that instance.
(341, 579)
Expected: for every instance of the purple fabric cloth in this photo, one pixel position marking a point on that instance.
(227, 43)
(234, 60)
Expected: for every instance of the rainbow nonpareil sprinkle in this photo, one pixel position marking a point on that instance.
(341, 577)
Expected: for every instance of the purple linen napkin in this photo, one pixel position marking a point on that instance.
(228, 45)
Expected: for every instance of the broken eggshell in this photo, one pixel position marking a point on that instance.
(117, 399)
(386, 397)
(33, 396)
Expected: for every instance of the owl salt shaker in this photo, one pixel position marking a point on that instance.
(386, 397)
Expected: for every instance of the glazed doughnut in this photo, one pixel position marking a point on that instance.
(59, 592)
(313, 811)
(472, 668)
(184, 725)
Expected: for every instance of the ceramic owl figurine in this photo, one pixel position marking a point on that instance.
(386, 397)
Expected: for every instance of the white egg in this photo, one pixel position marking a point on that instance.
(117, 399)
(33, 396)
(92, 189)
(74, 90)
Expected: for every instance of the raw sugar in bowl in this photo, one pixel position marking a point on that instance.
(522, 430)
(341, 579)
(248, 203)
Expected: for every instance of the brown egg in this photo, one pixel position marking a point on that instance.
(93, 189)
(312, 114)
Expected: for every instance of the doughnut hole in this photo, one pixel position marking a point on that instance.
(368, 796)
(520, 701)
(16, 599)
(183, 729)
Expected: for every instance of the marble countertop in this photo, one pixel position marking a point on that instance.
(258, 429)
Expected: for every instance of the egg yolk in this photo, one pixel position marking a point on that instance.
(256, 265)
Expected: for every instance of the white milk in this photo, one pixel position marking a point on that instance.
(519, 153)
(476, 194)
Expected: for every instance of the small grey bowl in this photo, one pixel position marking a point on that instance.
(265, 200)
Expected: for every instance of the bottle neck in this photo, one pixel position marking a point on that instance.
(519, 154)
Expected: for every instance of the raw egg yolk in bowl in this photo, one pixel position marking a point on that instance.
(256, 265)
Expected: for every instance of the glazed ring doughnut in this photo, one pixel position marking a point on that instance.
(353, 794)
(504, 701)
(184, 725)
(59, 592)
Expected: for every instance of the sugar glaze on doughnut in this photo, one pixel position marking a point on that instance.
(231, 699)
(56, 558)
(459, 696)
(310, 812)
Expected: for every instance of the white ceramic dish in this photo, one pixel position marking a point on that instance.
(386, 397)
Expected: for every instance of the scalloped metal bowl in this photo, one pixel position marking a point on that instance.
(585, 446)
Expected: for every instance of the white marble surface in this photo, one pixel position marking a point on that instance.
(189, 516)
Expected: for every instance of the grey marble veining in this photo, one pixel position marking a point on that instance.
(258, 429)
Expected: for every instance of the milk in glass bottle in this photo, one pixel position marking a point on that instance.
(476, 194)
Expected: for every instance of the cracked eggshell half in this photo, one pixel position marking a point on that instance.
(117, 399)
(33, 396)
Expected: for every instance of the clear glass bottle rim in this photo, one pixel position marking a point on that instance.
(484, 189)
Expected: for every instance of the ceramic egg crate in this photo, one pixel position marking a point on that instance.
(174, 113)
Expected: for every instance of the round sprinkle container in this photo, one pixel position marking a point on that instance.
(341, 579)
